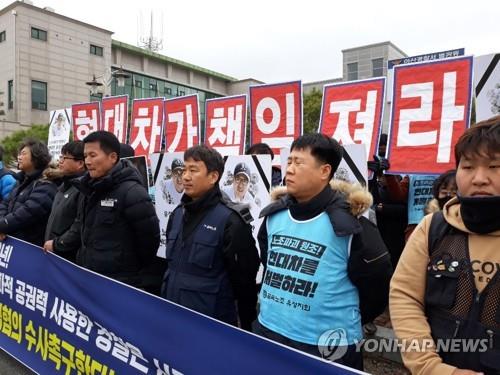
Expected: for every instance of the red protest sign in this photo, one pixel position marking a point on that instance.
(225, 124)
(276, 114)
(147, 120)
(182, 126)
(430, 111)
(115, 116)
(86, 119)
(351, 112)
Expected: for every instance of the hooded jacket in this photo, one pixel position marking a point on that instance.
(369, 265)
(118, 226)
(25, 212)
(407, 292)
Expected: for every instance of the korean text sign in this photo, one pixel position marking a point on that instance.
(431, 108)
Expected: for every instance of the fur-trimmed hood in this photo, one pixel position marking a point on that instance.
(358, 197)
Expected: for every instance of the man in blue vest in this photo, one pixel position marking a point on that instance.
(211, 254)
(327, 269)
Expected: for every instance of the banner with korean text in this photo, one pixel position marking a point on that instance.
(146, 127)
(182, 123)
(225, 124)
(58, 318)
(115, 116)
(276, 114)
(430, 111)
(86, 119)
(351, 113)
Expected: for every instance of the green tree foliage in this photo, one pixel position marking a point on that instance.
(312, 109)
(11, 143)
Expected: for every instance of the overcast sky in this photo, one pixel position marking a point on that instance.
(273, 40)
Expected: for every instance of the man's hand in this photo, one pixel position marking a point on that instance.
(3, 236)
(48, 246)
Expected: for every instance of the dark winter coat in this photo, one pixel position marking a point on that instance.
(24, 214)
(237, 255)
(118, 226)
(62, 217)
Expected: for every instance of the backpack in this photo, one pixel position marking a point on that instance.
(438, 228)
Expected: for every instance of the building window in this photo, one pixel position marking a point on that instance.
(39, 95)
(352, 71)
(138, 83)
(377, 67)
(168, 91)
(38, 34)
(3, 36)
(96, 50)
(181, 93)
(10, 94)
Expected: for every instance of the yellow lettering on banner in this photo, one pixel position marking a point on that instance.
(68, 360)
(55, 350)
(42, 342)
(30, 335)
(11, 323)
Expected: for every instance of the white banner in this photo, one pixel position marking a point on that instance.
(59, 130)
(167, 173)
(487, 86)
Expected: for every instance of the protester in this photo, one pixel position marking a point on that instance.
(7, 178)
(118, 226)
(445, 286)
(211, 254)
(324, 262)
(443, 189)
(25, 212)
(264, 149)
(58, 236)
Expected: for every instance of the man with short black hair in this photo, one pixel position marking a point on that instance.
(59, 237)
(119, 228)
(211, 254)
(326, 266)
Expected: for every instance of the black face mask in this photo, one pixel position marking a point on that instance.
(442, 201)
(480, 214)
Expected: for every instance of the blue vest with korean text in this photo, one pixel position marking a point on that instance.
(196, 276)
(306, 289)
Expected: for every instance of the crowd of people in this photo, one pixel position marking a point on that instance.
(326, 265)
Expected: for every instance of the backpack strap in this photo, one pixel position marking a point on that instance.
(438, 228)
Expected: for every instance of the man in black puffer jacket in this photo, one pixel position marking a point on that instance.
(119, 229)
(60, 236)
(24, 214)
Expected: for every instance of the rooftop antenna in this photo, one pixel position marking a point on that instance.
(151, 42)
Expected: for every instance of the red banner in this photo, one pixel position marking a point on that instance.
(182, 123)
(430, 111)
(225, 124)
(276, 114)
(351, 113)
(115, 116)
(86, 119)
(146, 129)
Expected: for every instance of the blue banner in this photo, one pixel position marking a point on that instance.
(58, 318)
(419, 193)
